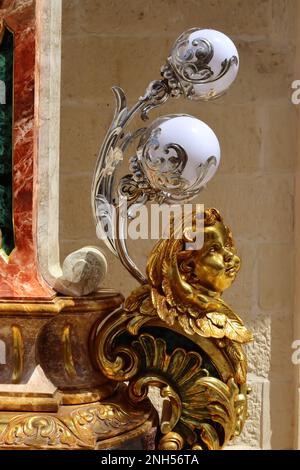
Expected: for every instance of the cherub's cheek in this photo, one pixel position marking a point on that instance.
(216, 263)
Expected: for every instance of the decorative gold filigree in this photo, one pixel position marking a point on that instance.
(171, 441)
(38, 431)
(100, 419)
(186, 336)
(80, 428)
(185, 287)
(197, 401)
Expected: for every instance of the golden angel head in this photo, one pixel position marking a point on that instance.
(185, 286)
(211, 268)
(215, 265)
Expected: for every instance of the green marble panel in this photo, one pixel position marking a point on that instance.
(6, 137)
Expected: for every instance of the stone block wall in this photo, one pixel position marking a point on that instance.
(115, 42)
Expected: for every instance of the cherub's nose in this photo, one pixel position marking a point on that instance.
(228, 255)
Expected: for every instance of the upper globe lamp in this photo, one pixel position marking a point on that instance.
(205, 62)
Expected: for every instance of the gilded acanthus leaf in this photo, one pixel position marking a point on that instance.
(134, 300)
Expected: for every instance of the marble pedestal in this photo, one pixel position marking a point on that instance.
(51, 395)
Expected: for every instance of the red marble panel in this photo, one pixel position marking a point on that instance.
(19, 276)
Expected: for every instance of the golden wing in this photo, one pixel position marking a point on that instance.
(218, 325)
(155, 261)
(238, 359)
(136, 298)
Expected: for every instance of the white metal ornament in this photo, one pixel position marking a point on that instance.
(176, 155)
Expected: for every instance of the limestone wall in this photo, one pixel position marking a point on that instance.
(116, 42)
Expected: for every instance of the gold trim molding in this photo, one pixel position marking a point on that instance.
(75, 427)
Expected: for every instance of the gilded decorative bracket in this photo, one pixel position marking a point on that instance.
(175, 334)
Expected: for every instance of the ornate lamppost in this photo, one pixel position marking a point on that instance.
(175, 332)
(75, 362)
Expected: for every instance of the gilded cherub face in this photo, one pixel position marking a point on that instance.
(214, 266)
(217, 263)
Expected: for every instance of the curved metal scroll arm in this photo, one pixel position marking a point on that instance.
(107, 209)
(121, 245)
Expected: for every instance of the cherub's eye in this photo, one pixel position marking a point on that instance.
(213, 249)
(230, 248)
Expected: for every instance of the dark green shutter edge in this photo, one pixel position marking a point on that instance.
(6, 138)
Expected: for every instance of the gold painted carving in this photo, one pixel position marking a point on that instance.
(18, 354)
(79, 427)
(37, 431)
(91, 412)
(188, 341)
(185, 287)
(67, 347)
(195, 399)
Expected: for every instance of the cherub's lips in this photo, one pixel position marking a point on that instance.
(231, 270)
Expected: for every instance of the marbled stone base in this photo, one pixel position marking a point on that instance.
(55, 336)
(51, 394)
